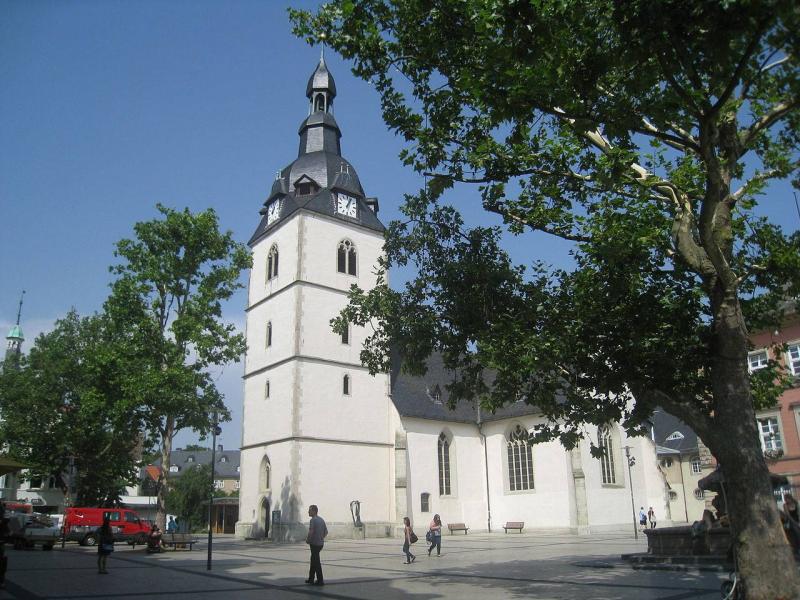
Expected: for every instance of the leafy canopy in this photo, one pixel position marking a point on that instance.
(642, 132)
(71, 400)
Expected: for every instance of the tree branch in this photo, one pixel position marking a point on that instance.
(737, 72)
(766, 120)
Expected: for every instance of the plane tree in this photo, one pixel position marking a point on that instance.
(645, 133)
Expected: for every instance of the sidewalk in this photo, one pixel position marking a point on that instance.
(497, 566)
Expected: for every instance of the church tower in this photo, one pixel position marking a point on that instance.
(317, 427)
(15, 338)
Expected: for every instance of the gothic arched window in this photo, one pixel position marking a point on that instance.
(605, 443)
(444, 464)
(346, 258)
(520, 460)
(346, 385)
(269, 334)
(272, 263)
(319, 103)
(264, 474)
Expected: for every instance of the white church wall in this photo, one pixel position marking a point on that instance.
(548, 504)
(268, 418)
(609, 505)
(252, 491)
(467, 499)
(317, 338)
(319, 258)
(327, 412)
(285, 239)
(335, 474)
(279, 311)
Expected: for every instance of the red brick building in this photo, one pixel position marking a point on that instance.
(780, 426)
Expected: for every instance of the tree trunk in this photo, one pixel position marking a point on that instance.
(166, 450)
(763, 555)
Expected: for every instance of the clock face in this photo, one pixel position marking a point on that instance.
(273, 212)
(346, 205)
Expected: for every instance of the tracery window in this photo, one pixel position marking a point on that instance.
(520, 460)
(272, 263)
(605, 442)
(444, 465)
(346, 258)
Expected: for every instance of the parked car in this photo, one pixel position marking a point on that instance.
(81, 525)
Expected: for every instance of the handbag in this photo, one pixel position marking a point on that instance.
(429, 536)
(413, 538)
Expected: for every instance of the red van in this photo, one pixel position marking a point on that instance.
(81, 524)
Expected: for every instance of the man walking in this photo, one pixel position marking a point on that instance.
(317, 530)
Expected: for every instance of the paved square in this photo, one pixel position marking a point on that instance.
(496, 566)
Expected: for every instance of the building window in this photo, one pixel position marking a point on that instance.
(269, 334)
(520, 460)
(36, 482)
(757, 360)
(190, 459)
(272, 263)
(264, 474)
(174, 469)
(675, 435)
(606, 445)
(793, 358)
(223, 459)
(673, 495)
(346, 258)
(699, 494)
(666, 463)
(266, 390)
(219, 484)
(425, 502)
(346, 334)
(346, 385)
(444, 465)
(770, 434)
(697, 466)
(236, 484)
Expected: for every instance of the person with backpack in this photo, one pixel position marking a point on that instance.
(435, 533)
(410, 537)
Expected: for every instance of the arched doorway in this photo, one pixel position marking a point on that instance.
(263, 517)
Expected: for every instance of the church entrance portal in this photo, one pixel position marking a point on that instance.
(263, 517)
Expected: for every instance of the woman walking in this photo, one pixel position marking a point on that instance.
(105, 545)
(436, 535)
(409, 539)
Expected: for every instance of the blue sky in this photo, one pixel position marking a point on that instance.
(108, 107)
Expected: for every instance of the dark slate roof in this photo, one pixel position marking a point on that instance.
(227, 461)
(321, 79)
(417, 396)
(319, 161)
(664, 425)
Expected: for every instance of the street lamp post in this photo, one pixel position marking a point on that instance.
(631, 462)
(214, 433)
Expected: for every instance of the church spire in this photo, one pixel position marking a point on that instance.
(15, 337)
(321, 88)
(320, 132)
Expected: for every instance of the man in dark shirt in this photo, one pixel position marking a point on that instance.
(317, 530)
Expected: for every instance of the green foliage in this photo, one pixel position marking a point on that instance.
(72, 397)
(168, 295)
(188, 496)
(621, 127)
(641, 131)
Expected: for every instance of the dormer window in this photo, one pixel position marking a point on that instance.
(305, 186)
(675, 435)
(190, 459)
(223, 459)
(174, 469)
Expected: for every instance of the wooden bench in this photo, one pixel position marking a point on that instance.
(457, 527)
(518, 525)
(178, 539)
